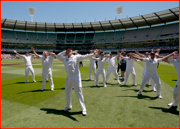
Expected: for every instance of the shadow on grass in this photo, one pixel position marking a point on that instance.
(127, 86)
(166, 110)
(40, 90)
(87, 80)
(136, 90)
(141, 97)
(61, 112)
(174, 80)
(93, 87)
(23, 83)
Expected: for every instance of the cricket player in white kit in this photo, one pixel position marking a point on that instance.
(151, 72)
(100, 69)
(47, 60)
(175, 102)
(73, 80)
(112, 68)
(92, 66)
(144, 70)
(129, 68)
(28, 65)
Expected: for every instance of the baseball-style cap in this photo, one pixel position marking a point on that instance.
(152, 53)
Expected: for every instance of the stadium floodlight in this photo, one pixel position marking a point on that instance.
(119, 10)
(31, 11)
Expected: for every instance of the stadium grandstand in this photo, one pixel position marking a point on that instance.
(141, 33)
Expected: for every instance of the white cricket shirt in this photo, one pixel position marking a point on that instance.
(112, 62)
(175, 62)
(72, 63)
(129, 63)
(92, 62)
(47, 62)
(151, 65)
(101, 63)
(27, 60)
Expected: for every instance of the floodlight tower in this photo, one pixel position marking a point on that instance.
(119, 10)
(31, 11)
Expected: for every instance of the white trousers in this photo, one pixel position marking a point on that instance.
(74, 82)
(156, 79)
(27, 69)
(114, 71)
(94, 71)
(152, 81)
(102, 72)
(176, 94)
(44, 78)
(133, 74)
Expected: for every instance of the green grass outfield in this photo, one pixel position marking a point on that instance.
(23, 105)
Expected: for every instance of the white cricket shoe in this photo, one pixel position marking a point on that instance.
(84, 113)
(170, 104)
(66, 109)
(139, 93)
(26, 82)
(159, 96)
(34, 81)
(119, 82)
(154, 90)
(89, 79)
(95, 85)
(42, 89)
(52, 89)
(104, 85)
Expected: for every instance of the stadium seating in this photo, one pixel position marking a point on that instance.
(119, 35)
(154, 32)
(129, 35)
(98, 37)
(109, 36)
(170, 29)
(142, 34)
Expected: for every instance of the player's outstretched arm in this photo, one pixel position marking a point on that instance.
(136, 57)
(94, 58)
(34, 52)
(119, 53)
(17, 53)
(141, 55)
(166, 57)
(82, 57)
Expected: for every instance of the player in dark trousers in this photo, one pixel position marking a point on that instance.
(119, 65)
(80, 64)
(123, 65)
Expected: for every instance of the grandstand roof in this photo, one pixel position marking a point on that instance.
(161, 17)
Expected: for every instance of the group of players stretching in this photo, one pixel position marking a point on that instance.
(73, 80)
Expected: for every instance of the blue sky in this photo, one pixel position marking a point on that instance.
(61, 11)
